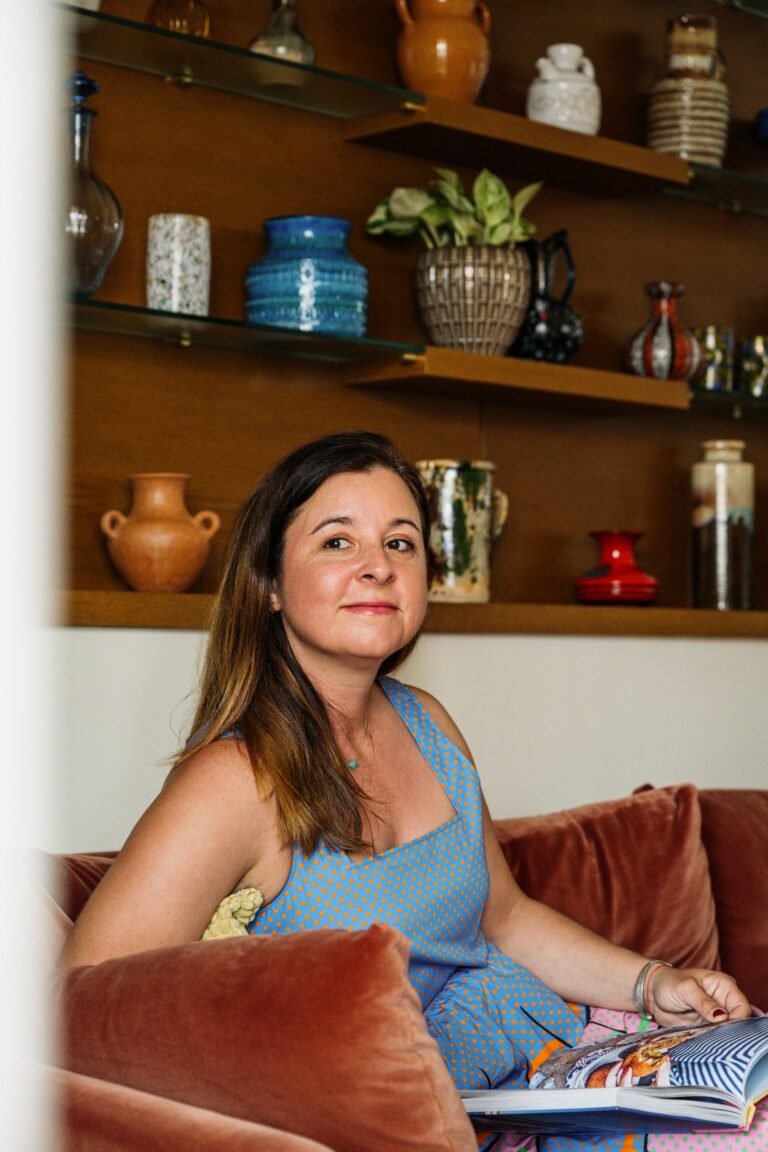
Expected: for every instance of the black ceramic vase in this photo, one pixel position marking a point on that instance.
(551, 329)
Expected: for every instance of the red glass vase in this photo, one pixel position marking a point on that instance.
(616, 579)
(663, 348)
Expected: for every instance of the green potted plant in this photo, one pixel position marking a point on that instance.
(472, 282)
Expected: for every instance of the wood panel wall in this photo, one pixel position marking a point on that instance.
(224, 416)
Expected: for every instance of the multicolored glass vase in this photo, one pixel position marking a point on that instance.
(616, 579)
(663, 348)
(307, 278)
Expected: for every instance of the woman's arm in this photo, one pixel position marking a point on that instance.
(189, 850)
(576, 963)
(583, 967)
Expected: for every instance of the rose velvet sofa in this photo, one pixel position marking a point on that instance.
(315, 1042)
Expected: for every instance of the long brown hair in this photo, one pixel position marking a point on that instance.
(252, 682)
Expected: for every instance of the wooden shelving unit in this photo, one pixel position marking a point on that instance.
(592, 164)
(444, 371)
(93, 609)
(221, 400)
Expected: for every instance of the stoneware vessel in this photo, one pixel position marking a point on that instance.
(722, 525)
(565, 93)
(443, 47)
(689, 108)
(473, 299)
(467, 514)
(159, 546)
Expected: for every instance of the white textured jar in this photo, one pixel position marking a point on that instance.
(565, 93)
(179, 263)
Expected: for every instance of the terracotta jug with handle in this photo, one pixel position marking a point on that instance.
(443, 47)
(159, 546)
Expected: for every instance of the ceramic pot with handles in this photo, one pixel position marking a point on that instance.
(565, 93)
(443, 47)
(467, 515)
(159, 546)
(551, 329)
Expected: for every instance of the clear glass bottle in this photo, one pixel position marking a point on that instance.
(723, 486)
(94, 220)
(282, 37)
(188, 16)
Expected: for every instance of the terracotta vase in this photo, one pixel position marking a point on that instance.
(159, 546)
(443, 47)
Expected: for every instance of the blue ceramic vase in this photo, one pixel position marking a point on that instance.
(307, 279)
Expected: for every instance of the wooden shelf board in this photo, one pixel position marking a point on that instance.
(95, 609)
(442, 129)
(595, 620)
(443, 370)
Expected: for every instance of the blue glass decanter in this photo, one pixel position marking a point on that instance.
(94, 220)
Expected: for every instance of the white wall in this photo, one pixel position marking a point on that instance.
(552, 721)
(31, 382)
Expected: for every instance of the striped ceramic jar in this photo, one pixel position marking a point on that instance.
(663, 348)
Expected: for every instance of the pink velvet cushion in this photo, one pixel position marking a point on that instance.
(735, 832)
(318, 1033)
(634, 870)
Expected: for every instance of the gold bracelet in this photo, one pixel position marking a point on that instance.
(639, 993)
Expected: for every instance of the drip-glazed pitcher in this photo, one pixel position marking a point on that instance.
(467, 514)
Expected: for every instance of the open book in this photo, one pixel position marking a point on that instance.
(669, 1080)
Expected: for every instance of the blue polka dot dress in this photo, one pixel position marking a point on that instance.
(493, 1021)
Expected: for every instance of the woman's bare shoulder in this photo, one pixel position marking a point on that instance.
(441, 717)
(224, 764)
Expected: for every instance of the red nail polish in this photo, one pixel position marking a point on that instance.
(718, 1012)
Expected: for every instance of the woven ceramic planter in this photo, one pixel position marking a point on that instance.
(473, 299)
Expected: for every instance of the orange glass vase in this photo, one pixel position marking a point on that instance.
(159, 546)
(443, 47)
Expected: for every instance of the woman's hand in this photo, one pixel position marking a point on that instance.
(694, 996)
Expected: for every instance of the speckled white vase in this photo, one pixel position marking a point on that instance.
(179, 263)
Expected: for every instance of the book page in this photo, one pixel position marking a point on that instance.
(716, 1055)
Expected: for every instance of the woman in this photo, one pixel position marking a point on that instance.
(346, 797)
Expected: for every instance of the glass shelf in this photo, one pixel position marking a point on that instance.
(215, 332)
(729, 404)
(110, 39)
(721, 188)
(753, 7)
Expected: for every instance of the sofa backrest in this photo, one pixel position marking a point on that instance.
(671, 872)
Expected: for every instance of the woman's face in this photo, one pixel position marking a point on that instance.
(354, 578)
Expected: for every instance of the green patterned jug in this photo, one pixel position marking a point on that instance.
(467, 515)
